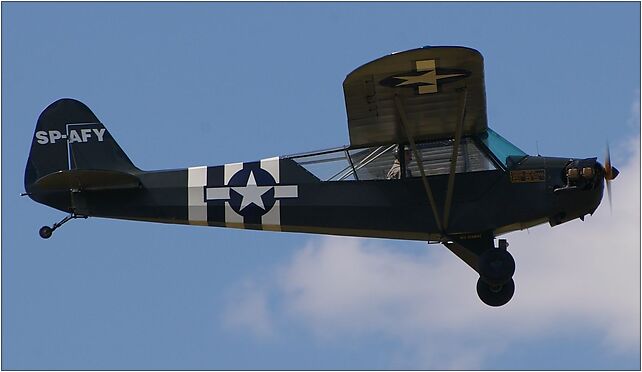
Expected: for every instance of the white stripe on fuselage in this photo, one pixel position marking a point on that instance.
(272, 219)
(196, 205)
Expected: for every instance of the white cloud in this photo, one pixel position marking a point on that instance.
(247, 309)
(577, 276)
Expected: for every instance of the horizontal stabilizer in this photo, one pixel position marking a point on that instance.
(93, 180)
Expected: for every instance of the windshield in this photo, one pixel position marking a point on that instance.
(500, 147)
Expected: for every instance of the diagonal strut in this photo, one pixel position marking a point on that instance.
(431, 199)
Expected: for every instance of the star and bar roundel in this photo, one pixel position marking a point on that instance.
(426, 77)
(238, 194)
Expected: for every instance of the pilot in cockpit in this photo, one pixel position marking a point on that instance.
(395, 170)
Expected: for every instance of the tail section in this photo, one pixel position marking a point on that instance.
(69, 137)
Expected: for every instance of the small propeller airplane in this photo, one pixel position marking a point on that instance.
(422, 164)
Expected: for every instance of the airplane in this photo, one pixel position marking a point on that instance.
(422, 164)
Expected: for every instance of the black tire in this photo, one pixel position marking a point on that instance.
(496, 266)
(45, 232)
(495, 295)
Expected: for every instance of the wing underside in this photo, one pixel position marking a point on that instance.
(436, 87)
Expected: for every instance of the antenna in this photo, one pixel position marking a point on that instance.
(537, 147)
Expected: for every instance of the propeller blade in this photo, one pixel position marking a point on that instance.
(610, 172)
(608, 191)
(607, 163)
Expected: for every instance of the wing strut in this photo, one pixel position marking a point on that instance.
(453, 161)
(431, 199)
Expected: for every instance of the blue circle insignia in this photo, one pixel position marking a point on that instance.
(252, 192)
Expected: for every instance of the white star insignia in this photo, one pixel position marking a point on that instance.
(252, 193)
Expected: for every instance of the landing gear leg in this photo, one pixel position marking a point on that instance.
(45, 232)
(495, 267)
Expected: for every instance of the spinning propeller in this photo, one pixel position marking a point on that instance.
(610, 173)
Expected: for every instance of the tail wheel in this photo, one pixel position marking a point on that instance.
(495, 295)
(496, 266)
(45, 232)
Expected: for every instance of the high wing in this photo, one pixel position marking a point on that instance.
(434, 84)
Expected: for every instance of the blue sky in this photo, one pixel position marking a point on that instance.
(209, 83)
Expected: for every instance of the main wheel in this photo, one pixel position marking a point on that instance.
(495, 295)
(496, 266)
(45, 232)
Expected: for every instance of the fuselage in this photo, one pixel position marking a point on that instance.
(278, 194)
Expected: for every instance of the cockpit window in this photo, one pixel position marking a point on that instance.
(500, 147)
(383, 162)
(329, 165)
(436, 157)
(373, 163)
(370, 163)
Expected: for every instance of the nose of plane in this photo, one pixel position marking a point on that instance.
(610, 172)
(581, 191)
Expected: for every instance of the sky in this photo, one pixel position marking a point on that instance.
(189, 84)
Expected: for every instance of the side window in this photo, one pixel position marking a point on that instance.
(435, 157)
(333, 165)
(380, 163)
(373, 163)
